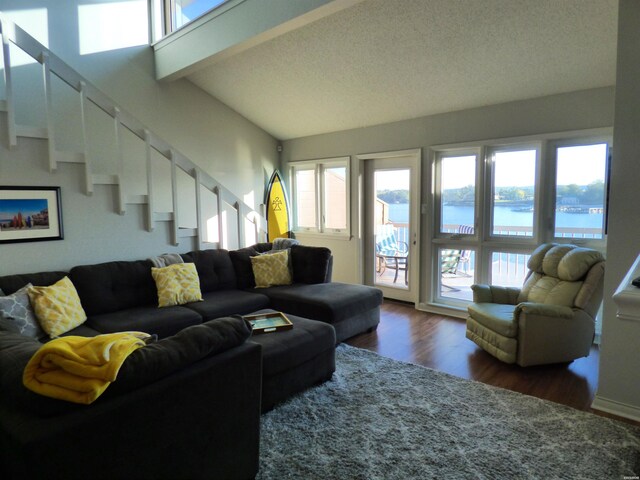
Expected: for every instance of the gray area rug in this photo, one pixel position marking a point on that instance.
(383, 419)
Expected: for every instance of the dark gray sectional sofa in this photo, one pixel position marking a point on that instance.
(187, 406)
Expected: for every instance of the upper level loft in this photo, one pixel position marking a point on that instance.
(191, 34)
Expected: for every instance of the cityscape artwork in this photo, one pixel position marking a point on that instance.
(30, 214)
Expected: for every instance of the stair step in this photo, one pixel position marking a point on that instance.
(31, 132)
(3, 105)
(69, 157)
(105, 179)
(137, 199)
(187, 232)
(163, 216)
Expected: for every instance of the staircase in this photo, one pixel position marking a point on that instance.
(244, 222)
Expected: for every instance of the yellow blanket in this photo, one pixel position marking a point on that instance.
(79, 369)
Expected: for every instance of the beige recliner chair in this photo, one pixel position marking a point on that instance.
(551, 319)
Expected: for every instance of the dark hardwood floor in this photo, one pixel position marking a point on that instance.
(439, 342)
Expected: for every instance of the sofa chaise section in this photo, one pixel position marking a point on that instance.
(350, 309)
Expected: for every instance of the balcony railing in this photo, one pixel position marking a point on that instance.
(508, 269)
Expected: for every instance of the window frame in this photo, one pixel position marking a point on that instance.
(553, 146)
(164, 12)
(451, 153)
(489, 199)
(319, 166)
(483, 242)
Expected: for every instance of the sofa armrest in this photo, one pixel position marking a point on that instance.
(543, 310)
(495, 294)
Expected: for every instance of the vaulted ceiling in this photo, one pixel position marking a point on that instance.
(380, 61)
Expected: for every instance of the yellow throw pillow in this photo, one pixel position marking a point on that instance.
(57, 307)
(271, 269)
(177, 284)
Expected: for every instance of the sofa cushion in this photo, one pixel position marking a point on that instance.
(228, 302)
(553, 291)
(214, 268)
(12, 283)
(328, 302)
(114, 286)
(495, 316)
(15, 352)
(177, 284)
(16, 311)
(81, 330)
(163, 322)
(310, 264)
(241, 260)
(57, 307)
(174, 353)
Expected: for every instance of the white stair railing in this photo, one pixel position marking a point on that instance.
(51, 64)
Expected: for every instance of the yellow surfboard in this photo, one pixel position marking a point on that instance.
(277, 209)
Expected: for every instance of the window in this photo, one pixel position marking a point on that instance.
(513, 192)
(458, 187)
(320, 193)
(541, 189)
(170, 15)
(184, 11)
(580, 191)
(305, 197)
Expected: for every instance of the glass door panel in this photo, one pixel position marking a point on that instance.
(392, 223)
(392, 198)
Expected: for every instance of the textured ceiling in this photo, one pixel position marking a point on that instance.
(387, 60)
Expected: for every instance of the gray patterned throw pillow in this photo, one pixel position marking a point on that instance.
(17, 308)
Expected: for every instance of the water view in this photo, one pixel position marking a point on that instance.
(504, 216)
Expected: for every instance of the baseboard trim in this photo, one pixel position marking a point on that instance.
(616, 408)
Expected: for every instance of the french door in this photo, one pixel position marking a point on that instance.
(391, 223)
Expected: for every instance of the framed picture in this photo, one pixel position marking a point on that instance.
(30, 214)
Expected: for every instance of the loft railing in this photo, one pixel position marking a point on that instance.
(51, 64)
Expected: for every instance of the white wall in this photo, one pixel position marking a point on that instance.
(93, 232)
(619, 383)
(223, 143)
(557, 113)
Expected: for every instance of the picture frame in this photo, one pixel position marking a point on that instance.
(269, 322)
(30, 214)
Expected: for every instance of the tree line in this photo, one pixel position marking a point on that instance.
(591, 194)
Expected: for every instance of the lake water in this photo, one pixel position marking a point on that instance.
(463, 215)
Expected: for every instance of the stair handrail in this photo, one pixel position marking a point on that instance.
(12, 32)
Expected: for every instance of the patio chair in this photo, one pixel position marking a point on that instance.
(390, 252)
(449, 262)
(465, 255)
